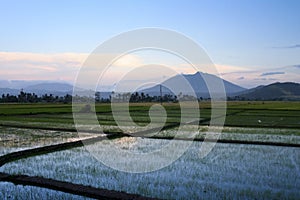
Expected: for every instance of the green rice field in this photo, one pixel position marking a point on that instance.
(253, 159)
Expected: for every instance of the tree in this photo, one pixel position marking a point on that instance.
(97, 97)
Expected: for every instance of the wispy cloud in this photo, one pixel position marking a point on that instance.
(296, 66)
(271, 73)
(39, 66)
(58, 66)
(254, 78)
(288, 47)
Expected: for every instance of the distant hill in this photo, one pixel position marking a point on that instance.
(275, 91)
(197, 82)
(9, 91)
(59, 87)
(37, 87)
(19, 84)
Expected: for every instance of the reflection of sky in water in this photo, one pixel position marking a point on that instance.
(139, 145)
(15, 139)
(11, 191)
(229, 171)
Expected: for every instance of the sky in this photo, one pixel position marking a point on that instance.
(250, 42)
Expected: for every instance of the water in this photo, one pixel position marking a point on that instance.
(229, 171)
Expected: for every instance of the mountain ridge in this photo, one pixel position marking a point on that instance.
(273, 91)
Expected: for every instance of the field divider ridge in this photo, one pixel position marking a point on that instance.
(71, 188)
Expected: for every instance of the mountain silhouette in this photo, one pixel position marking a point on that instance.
(198, 83)
(274, 91)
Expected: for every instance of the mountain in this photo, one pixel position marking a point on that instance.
(247, 91)
(19, 84)
(9, 91)
(37, 87)
(59, 87)
(274, 91)
(197, 82)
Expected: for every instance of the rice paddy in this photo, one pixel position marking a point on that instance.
(229, 171)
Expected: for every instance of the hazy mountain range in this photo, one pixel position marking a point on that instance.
(275, 91)
(37, 87)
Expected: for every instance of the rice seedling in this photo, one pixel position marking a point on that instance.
(11, 191)
(229, 171)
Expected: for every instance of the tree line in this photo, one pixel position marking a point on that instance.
(138, 97)
(25, 97)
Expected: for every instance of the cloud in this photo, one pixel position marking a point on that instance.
(73, 59)
(288, 47)
(55, 66)
(296, 66)
(272, 79)
(128, 60)
(65, 66)
(261, 79)
(271, 73)
(253, 78)
(222, 69)
(39, 66)
(211, 68)
(294, 46)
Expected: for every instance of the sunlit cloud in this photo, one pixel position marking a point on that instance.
(68, 59)
(58, 66)
(230, 68)
(38, 66)
(128, 60)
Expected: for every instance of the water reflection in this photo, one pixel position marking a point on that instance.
(14, 139)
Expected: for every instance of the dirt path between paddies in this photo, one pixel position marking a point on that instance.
(71, 188)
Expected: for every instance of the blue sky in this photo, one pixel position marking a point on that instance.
(255, 36)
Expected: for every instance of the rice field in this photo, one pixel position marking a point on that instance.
(16, 139)
(11, 191)
(229, 171)
(239, 114)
